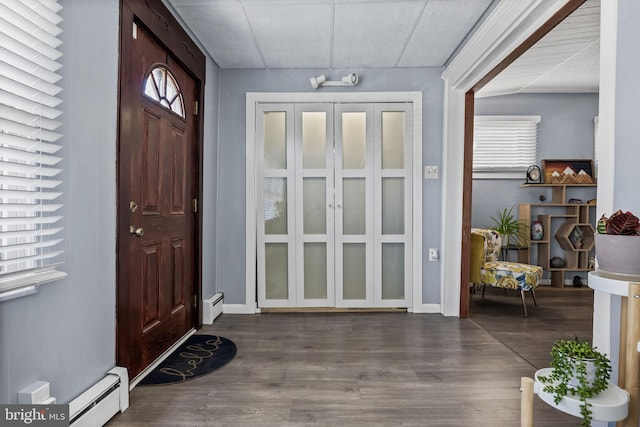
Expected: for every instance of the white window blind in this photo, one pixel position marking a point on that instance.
(30, 218)
(504, 143)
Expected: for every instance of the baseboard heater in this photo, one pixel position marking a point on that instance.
(102, 401)
(212, 308)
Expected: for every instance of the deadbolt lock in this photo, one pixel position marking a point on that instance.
(133, 206)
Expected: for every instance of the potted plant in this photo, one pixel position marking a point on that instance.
(513, 231)
(617, 243)
(579, 370)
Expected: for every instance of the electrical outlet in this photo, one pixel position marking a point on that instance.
(433, 254)
(431, 172)
(37, 393)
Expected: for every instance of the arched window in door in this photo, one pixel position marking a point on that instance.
(161, 86)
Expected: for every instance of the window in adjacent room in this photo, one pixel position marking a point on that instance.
(504, 146)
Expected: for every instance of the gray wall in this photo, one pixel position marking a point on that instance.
(626, 150)
(564, 132)
(210, 172)
(231, 174)
(627, 126)
(65, 334)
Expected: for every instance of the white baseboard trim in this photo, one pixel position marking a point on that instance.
(239, 309)
(100, 402)
(249, 309)
(427, 308)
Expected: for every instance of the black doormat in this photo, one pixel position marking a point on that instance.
(198, 355)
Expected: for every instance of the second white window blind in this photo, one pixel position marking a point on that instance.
(504, 143)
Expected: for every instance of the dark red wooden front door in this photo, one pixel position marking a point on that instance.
(157, 220)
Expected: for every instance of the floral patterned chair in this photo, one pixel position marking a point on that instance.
(503, 274)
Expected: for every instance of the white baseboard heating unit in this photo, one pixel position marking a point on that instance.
(102, 401)
(212, 308)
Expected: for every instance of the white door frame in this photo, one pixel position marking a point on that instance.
(254, 98)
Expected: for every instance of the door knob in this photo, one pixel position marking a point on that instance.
(139, 232)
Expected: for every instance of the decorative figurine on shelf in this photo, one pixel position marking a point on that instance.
(577, 236)
(577, 281)
(592, 263)
(537, 231)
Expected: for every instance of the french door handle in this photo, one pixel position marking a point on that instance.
(330, 205)
(339, 206)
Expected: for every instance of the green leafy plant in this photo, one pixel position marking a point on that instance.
(569, 360)
(513, 231)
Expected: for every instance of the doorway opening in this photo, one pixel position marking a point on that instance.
(469, 108)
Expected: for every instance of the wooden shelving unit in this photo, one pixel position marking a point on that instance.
(560, 220)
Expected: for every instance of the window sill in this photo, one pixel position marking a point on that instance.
(500, 175)
(22, 285)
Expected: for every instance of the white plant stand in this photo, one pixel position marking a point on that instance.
(611, 404)
(628, 288)
(618, 402)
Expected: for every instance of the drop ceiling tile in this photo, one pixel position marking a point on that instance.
(292, 34)
(352, 34)
(372, 34)
(222, 28)
(441, 28)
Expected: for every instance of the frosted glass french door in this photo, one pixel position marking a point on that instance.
(334, 205)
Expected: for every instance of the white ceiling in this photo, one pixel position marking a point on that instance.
(352, 34)
(565, 60)
(330, 33)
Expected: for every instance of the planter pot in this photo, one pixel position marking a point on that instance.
(618, 254)
(591, 375)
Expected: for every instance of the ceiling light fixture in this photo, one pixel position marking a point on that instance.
(348, 80)
(317, 81)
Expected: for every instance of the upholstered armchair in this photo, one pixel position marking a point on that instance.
(487, 269)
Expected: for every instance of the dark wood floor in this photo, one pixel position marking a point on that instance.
(375, 369)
